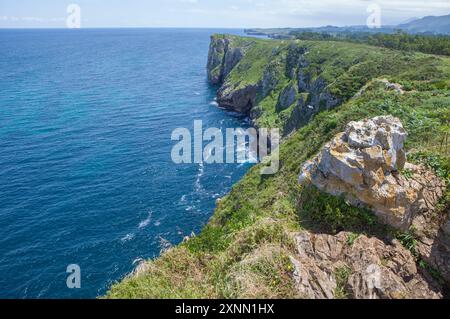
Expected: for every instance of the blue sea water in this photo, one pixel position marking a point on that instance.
(86, 175)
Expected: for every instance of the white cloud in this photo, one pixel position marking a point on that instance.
(297, 13)
(223, 13)
(31, 19)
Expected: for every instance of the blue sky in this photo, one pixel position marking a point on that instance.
(213, 13)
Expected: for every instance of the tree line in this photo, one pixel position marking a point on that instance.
(432, 44)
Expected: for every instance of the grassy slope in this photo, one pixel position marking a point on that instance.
(345, 67)
(243, 251)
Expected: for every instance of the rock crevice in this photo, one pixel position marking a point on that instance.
(328, 267)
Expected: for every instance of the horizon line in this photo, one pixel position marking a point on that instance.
(179, 27)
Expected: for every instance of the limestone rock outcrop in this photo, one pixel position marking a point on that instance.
(226, 52)
(327, 267)
(365, 163)
(237, 99)
(223, 56)
(286, 98)
(433, 240)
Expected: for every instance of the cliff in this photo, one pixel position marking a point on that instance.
(274, 237)
(284, 84)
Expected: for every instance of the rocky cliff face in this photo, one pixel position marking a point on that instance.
(282, 65)
(312, 93)
(240, 100)
(313, 88)
(223, 56)
(328, 267)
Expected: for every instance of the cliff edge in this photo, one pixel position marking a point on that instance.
(373, 220)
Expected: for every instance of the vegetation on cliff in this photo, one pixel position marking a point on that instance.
(398, 40)
(245, 249)
(319, 74)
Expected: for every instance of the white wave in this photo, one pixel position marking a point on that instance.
(127, 237)
(138, 261)
(214, 103)
(146, 221)
(201, 171)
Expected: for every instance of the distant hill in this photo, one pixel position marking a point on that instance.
(426, 25)
(430, 24)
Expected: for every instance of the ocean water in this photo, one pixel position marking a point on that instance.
(86, 175)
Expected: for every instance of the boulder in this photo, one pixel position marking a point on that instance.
(365, 162)
(393, 86)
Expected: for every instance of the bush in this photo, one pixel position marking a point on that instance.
(334, 213)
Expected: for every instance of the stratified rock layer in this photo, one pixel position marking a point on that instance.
(222, 58)
(365, 163)
(327, 266)
(228, 52)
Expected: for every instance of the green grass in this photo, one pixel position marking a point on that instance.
(344, 68)
(243, 251)
(408, 240)
(342, 274)
(333, 214)
(352, 237)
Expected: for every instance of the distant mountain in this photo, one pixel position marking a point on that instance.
(430, 24)
(410, 20)
(426, 25)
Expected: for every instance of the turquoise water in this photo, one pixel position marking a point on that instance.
(85, 170)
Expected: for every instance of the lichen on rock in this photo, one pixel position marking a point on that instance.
(365, 164)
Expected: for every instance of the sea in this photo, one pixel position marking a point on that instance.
(86, 174)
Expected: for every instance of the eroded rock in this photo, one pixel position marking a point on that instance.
(286, 98)
(327, 266)
(393, 86)
(223, 56)
(237, 99)
(365, 163)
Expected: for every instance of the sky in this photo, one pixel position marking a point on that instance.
(212, 13)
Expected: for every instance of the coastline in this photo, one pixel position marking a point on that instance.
(250, 248)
